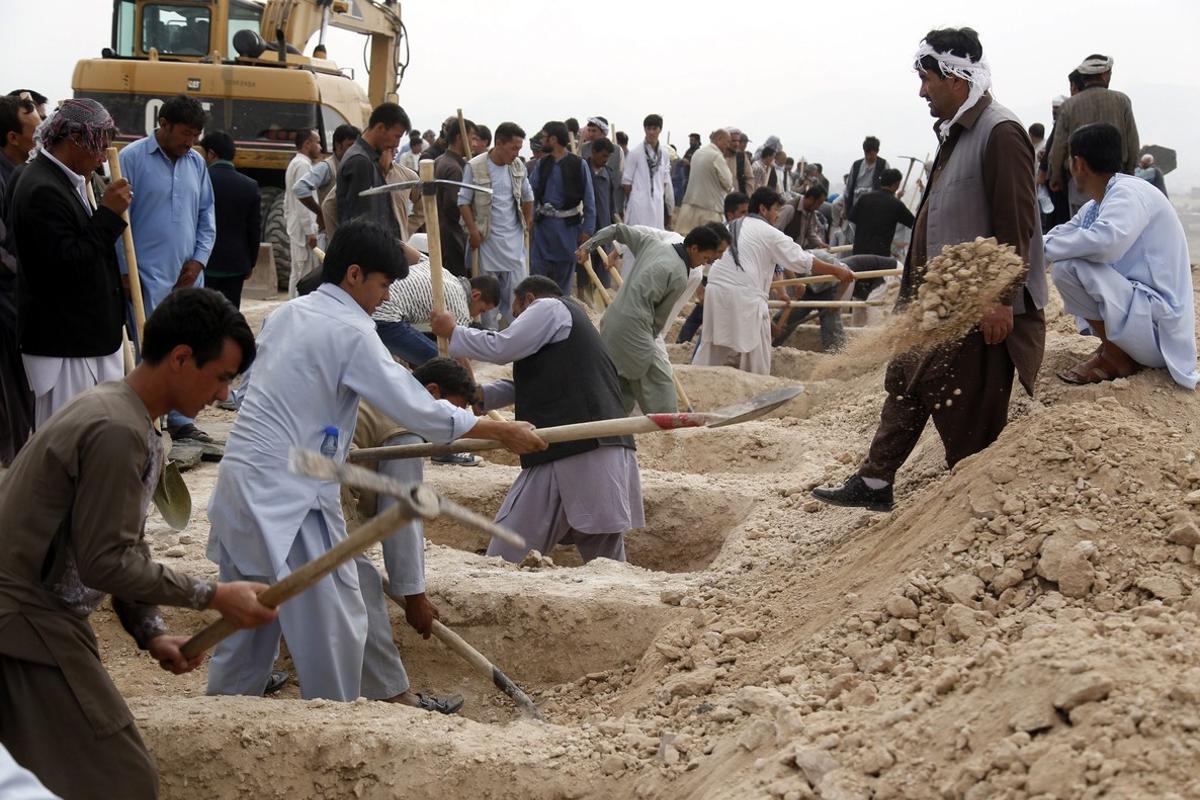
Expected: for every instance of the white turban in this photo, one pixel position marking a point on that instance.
(599, 122)
(976, 73)
(1095, 66)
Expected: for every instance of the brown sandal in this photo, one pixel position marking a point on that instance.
(1096, 369)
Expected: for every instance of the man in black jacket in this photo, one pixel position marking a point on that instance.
(238, 209)
(359, 169)
(70, 305)
(864, 173)
(876, 214)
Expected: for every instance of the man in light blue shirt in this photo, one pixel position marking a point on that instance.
(172, 217)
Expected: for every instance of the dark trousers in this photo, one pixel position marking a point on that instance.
(47, 732)
(920, 389)
(230, 286)
(692, 324)
(833, 334)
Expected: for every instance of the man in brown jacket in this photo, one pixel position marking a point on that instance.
(981, 185)
(72, 530)
(1094, 102)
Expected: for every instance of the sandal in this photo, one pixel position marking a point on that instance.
(443, 705)
(1096, 369)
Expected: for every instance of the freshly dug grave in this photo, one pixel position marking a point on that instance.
(1020, 627)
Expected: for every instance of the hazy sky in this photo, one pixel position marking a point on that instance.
(820, 76)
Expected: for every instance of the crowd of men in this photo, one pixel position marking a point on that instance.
(85, 454)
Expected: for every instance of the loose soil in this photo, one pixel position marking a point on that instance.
(1021, 626)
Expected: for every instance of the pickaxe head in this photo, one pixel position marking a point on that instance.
(406, 185)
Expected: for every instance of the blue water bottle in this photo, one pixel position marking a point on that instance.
(329, 445)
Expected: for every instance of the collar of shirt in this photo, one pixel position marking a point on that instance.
(350, 306)
(970, 116)
(220, 162)
(78, 182)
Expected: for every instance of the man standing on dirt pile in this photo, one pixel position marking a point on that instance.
(982, 185)
(1122, 267)
(587, 492)
(74, 511)
(267, 521)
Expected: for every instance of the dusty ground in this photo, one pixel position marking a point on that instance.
(1023, 626)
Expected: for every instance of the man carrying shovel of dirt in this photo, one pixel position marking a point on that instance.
(981, 185)
(586, 492)
(318, 354)
(72, 521)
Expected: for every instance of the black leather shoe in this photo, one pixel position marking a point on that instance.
(277, 681)
(854, 493)
(449, 704)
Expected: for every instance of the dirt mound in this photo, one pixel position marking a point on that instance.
(1020, 627)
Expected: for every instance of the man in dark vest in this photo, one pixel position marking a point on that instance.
(587, 492)
(982, 185)
(564, 208)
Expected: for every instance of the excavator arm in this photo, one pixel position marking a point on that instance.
(298, 20)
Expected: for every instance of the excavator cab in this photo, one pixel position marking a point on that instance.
(241, 60)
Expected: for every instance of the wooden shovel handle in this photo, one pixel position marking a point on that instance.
(423, 503)
(623, 426)
(135, 282)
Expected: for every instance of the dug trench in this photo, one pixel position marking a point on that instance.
(1021, 626)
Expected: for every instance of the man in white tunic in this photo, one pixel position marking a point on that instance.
(737, 320)
(1122, 267)
(497, 223)
(266, 521)
(587, 492)
(647, 179)
(301, 222)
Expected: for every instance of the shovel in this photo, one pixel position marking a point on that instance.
(651, 423)
(412, 502)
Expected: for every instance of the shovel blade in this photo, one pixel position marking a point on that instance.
(755, 407)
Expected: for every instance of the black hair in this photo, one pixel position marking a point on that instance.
(389, 115)
(343, 132)
(183, 110)
(623, 138)
(414, 139)
(556, 129)
(1099, 145)
(365, 242)
(764, 196)
(320, 48)
(221, 143)
(1075, 78)
(790, 161)
(768, 151)
(703, 237)
(652, 121)
(602, 145)
(721, 231)
(507, 131)
(572, 125)
(1037, 129)
(693, 136)
(819, 167)
(10, 116)
(488, 287)
(817, 190)
(451, 377)
(890, 177)
(735, 199)
(37, 97)
(484, 133)
(303, 135)
(453, 132)
(538, 285)
(871, 143)
(201, 319)
(962, 42)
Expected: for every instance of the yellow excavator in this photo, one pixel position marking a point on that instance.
(243, 60)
